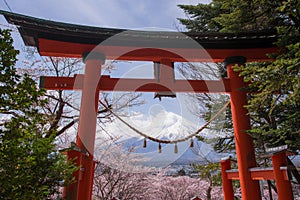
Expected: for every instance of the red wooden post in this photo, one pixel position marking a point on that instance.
(70, 190)
(284, 188)
(226, 183)
(85, 140)
(241, 123)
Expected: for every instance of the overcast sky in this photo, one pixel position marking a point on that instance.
(129, 14)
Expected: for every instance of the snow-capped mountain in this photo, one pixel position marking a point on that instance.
(200, 153)
(128, 144)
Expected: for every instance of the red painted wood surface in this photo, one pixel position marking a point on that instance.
(68, 49)
(139, 85)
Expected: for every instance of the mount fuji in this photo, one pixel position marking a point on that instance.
(162, 125)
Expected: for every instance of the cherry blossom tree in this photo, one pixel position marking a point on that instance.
(63, 108)
(109, 183)
(181, 187)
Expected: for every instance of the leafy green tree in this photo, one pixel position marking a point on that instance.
(234, 16)
(209, 172)
(199, 20)
(30, 165)
(274, 110)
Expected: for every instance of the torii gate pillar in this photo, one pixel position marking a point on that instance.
(241, 122)
(83, 186)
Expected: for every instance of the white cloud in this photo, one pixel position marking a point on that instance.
(162, 124)
(113, 13)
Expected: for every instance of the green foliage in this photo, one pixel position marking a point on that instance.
(236, 15)
(199, 19)
(274, 110)
(30, 166)
(249, 16)
(209, 172)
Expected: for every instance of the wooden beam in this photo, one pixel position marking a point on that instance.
(233, 174)
(258, 173)
(68, 49)
(262, 173)
(139, 85)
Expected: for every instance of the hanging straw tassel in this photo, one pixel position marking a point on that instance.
(145, 143)
(192, 143)
(175, 148)
(159, 148)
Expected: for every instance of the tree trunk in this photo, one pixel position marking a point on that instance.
(208, 193)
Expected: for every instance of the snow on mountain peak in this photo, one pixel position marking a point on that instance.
(158, 124)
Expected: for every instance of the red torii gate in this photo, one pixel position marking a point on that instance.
(68, 40)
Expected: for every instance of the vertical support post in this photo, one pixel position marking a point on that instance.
(85, 140)
(69, 191)
(241, 122)
(167, 73)
(226, 183)
(284, 188)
